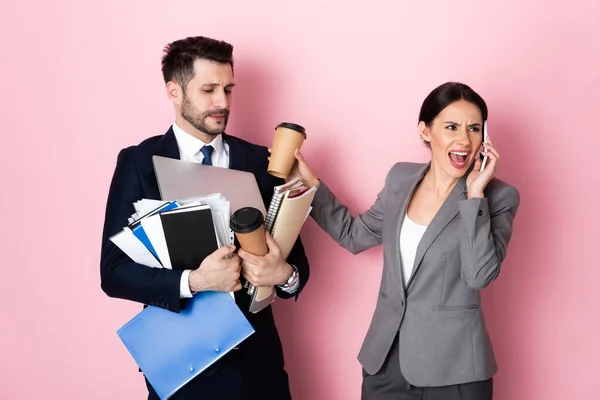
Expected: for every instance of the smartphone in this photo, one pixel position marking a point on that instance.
(484, 149)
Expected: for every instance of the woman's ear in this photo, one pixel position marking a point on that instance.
(425, 132)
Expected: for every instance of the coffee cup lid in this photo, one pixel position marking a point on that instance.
(294, 127)
(246, 220)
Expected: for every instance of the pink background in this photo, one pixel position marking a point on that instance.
(81, 80)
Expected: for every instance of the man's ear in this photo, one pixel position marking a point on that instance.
(174, 92)
(425, 132)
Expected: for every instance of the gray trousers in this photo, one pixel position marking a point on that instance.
(389, 384)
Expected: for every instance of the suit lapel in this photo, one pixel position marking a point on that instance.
(168, 146)
(238, 156)
(165, 147)
(405, 192)
(446, 213)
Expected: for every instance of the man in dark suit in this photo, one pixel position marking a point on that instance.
(198, 74)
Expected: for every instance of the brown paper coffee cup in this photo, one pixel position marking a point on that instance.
(288, 138)
(248, 225)
(254, 242)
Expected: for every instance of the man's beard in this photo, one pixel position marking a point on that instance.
(198, 119)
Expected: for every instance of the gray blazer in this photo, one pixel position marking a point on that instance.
(442, 332)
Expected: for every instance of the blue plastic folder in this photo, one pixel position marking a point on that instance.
(173, 348)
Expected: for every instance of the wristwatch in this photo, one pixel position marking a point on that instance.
(292, 279)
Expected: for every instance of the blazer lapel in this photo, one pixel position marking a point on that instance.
(238, 156)
(406, 192)
(443, 217)
(168, 145)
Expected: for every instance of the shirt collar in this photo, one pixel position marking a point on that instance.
(190, 145)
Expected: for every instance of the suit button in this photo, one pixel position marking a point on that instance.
(480, 213)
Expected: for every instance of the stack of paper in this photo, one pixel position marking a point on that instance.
(176, 234)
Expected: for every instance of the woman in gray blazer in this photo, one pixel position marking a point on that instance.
(445, 226)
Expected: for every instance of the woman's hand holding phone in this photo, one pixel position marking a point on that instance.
(483, 170)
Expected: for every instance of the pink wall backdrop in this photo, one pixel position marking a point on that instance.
(81, 80)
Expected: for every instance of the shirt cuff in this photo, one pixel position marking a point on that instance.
(184, 285)
(292, 288)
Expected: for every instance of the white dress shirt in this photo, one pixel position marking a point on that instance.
(410, 236)
(189, 150)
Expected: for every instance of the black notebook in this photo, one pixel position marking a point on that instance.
(189, 234)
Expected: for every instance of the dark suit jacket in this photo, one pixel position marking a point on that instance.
(133, 180)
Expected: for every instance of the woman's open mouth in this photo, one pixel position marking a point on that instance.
(458, 159)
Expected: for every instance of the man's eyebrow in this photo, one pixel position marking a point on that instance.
(217, 85)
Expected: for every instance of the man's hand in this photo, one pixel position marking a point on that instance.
(217, 273)
(269, 270)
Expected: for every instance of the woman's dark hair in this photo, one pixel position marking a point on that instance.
(179, 56)
(448, 93)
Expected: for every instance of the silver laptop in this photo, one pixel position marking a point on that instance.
(179, 180)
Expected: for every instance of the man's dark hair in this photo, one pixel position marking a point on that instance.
(179, 57)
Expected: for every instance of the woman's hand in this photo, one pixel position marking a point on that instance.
(478, 180)
(302, 171)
